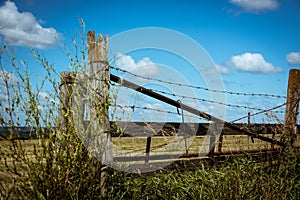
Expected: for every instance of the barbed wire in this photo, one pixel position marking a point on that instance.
(209, 101)
(264, 111)
(133, 107)
(199, 87)
(206, 100)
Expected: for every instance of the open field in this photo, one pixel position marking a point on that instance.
(164, 144)
(138, 144)
(176, 145)
(134, 146)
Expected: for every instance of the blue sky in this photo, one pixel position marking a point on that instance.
(253, 43)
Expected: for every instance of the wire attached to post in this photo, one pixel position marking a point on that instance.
(182, 118)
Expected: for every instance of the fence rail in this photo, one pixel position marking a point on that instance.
(140, 145)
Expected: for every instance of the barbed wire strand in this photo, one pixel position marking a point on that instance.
(133, 107)
(263, 111)
(199, 87)
(209, 101)
(206, 100)
(195, 117)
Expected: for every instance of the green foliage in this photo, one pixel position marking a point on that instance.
(242, 179)
(57, 166)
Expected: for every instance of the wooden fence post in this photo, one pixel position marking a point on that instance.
(212, 139)
(148, 147)
(71, 108)
(220, 142)
(66, 90)
(98, 89)
(292, 106)
(249, 126)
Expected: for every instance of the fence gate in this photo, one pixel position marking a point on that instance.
(98, 90)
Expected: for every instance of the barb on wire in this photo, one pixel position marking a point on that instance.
(133, 107)
(208, 101)
(199, 87)
(263, 111)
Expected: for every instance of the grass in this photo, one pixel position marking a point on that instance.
(241, 178)
(136, 145)
(230, 143)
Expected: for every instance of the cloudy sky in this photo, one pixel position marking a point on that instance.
(253, 43)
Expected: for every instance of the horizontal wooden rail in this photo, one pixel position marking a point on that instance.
(166, 157)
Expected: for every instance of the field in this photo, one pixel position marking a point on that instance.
(41, 169)
(160, 145)
(137, 146)
(230, 143)
(197, 184)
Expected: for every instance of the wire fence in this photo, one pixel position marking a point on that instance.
(177, 96)
(263, 111)
(199, 87)
(225, 144)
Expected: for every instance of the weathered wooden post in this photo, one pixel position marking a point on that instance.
(148, 147)
(98, 91)
(212, 139)
(220, 142)
(292, 106)
(249, 126)
(67, 80)
(71, 108)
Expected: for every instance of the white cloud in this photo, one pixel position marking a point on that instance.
(253, 62)
(222, 69)
(154, 115)
(293, 58)
(144, 67)
(217, 69)
(22, 28)
(256, 5)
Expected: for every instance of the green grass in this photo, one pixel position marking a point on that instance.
(235, 179)
(239, 179)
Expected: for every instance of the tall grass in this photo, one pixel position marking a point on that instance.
(58, 165)
(241, 179)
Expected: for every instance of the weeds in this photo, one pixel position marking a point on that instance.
(57, 166)
(242, 179)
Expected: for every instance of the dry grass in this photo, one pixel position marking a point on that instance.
(167, 144)
(137, 146)
(174, 144)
